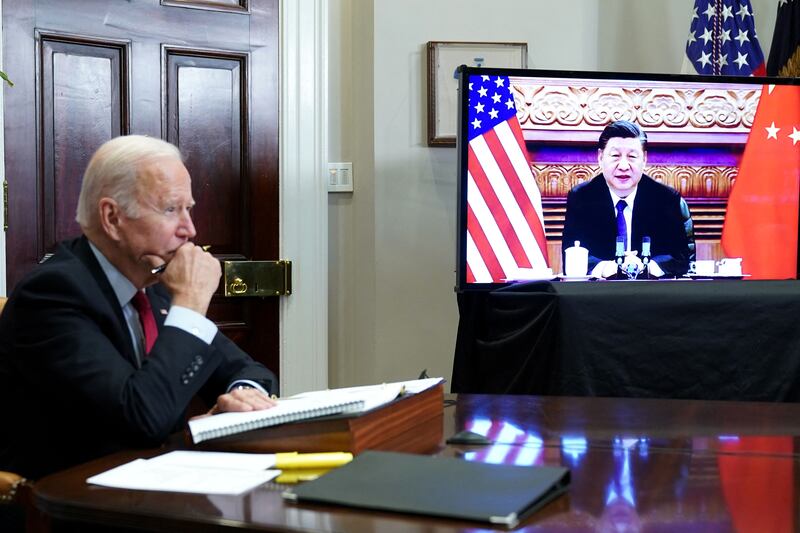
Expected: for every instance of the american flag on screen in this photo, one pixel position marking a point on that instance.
(722, 40)
(505, 228)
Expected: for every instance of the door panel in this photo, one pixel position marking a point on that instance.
(82, 94)
(205, 78)
(204, 98)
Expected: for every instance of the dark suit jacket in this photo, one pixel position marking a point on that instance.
(70, 389)
(658, 212)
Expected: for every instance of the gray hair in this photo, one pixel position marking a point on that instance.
(113, 172)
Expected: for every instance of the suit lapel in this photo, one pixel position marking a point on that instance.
(160, 304)
(640, 207)
(124, 342)
(606, 206)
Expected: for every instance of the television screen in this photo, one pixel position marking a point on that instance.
(590, 176)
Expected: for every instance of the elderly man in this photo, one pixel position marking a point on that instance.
(99, 353)
(622, 203)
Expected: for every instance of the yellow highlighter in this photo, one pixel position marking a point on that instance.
(296, 461)
(296, 476)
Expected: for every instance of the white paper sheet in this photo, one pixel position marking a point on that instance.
(413, 386)
(185, 472)
(237, 461)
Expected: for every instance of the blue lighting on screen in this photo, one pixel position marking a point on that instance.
(574, 448)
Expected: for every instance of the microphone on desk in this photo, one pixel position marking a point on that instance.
(619, 254)
(646, 257)
(619, 258)
(645, 250)
(620, 251)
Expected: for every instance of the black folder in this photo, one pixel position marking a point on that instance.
(437, 486)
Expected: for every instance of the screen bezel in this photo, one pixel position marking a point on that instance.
(462, 134)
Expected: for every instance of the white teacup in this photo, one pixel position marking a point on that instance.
(730, 266)
(576, 260)
(704, 267)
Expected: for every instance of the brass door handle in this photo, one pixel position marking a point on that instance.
(238, 286)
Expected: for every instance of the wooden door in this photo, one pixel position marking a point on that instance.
(202, 74)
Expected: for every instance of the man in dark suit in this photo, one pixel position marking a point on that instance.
(97, 352)
(623, 203)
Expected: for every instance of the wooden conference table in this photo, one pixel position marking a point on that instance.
(637, 465)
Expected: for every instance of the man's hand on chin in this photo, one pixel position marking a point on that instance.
(191, 277)
(240, 400)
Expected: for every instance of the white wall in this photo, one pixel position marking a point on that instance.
(650, 35)
(351, 217)
(391, 243)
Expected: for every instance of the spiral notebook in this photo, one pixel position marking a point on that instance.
(301, 407)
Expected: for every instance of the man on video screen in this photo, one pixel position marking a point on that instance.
(624, 204)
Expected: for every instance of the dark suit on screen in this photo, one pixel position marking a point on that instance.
(70, 389)
(659, 212)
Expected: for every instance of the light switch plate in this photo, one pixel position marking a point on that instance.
(340, 177)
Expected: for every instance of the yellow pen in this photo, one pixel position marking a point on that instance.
(296, 476)
(294, 460)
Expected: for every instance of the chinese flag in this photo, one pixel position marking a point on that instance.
(761, 219)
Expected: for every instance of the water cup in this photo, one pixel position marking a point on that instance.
(704, 267)
(730, 266)
(576, 260)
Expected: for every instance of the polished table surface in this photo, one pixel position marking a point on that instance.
(637, 465)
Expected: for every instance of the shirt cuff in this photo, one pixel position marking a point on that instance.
(655, 270)
(191, 322)
(246, 383)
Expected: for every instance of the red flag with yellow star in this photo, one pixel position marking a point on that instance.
(761, 219)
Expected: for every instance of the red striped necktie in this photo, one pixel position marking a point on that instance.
(148, 321)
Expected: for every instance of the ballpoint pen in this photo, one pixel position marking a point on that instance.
(161, 268)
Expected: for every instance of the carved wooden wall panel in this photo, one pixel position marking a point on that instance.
(552, 105)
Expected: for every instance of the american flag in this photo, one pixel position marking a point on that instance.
(722, 40)
(505, 229)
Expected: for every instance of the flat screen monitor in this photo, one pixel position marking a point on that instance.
(707, 168)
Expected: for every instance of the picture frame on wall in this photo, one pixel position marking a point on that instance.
(444, 58)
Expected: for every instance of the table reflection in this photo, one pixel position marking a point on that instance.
(631, 484)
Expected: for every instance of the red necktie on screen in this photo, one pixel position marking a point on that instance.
(146, 318)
